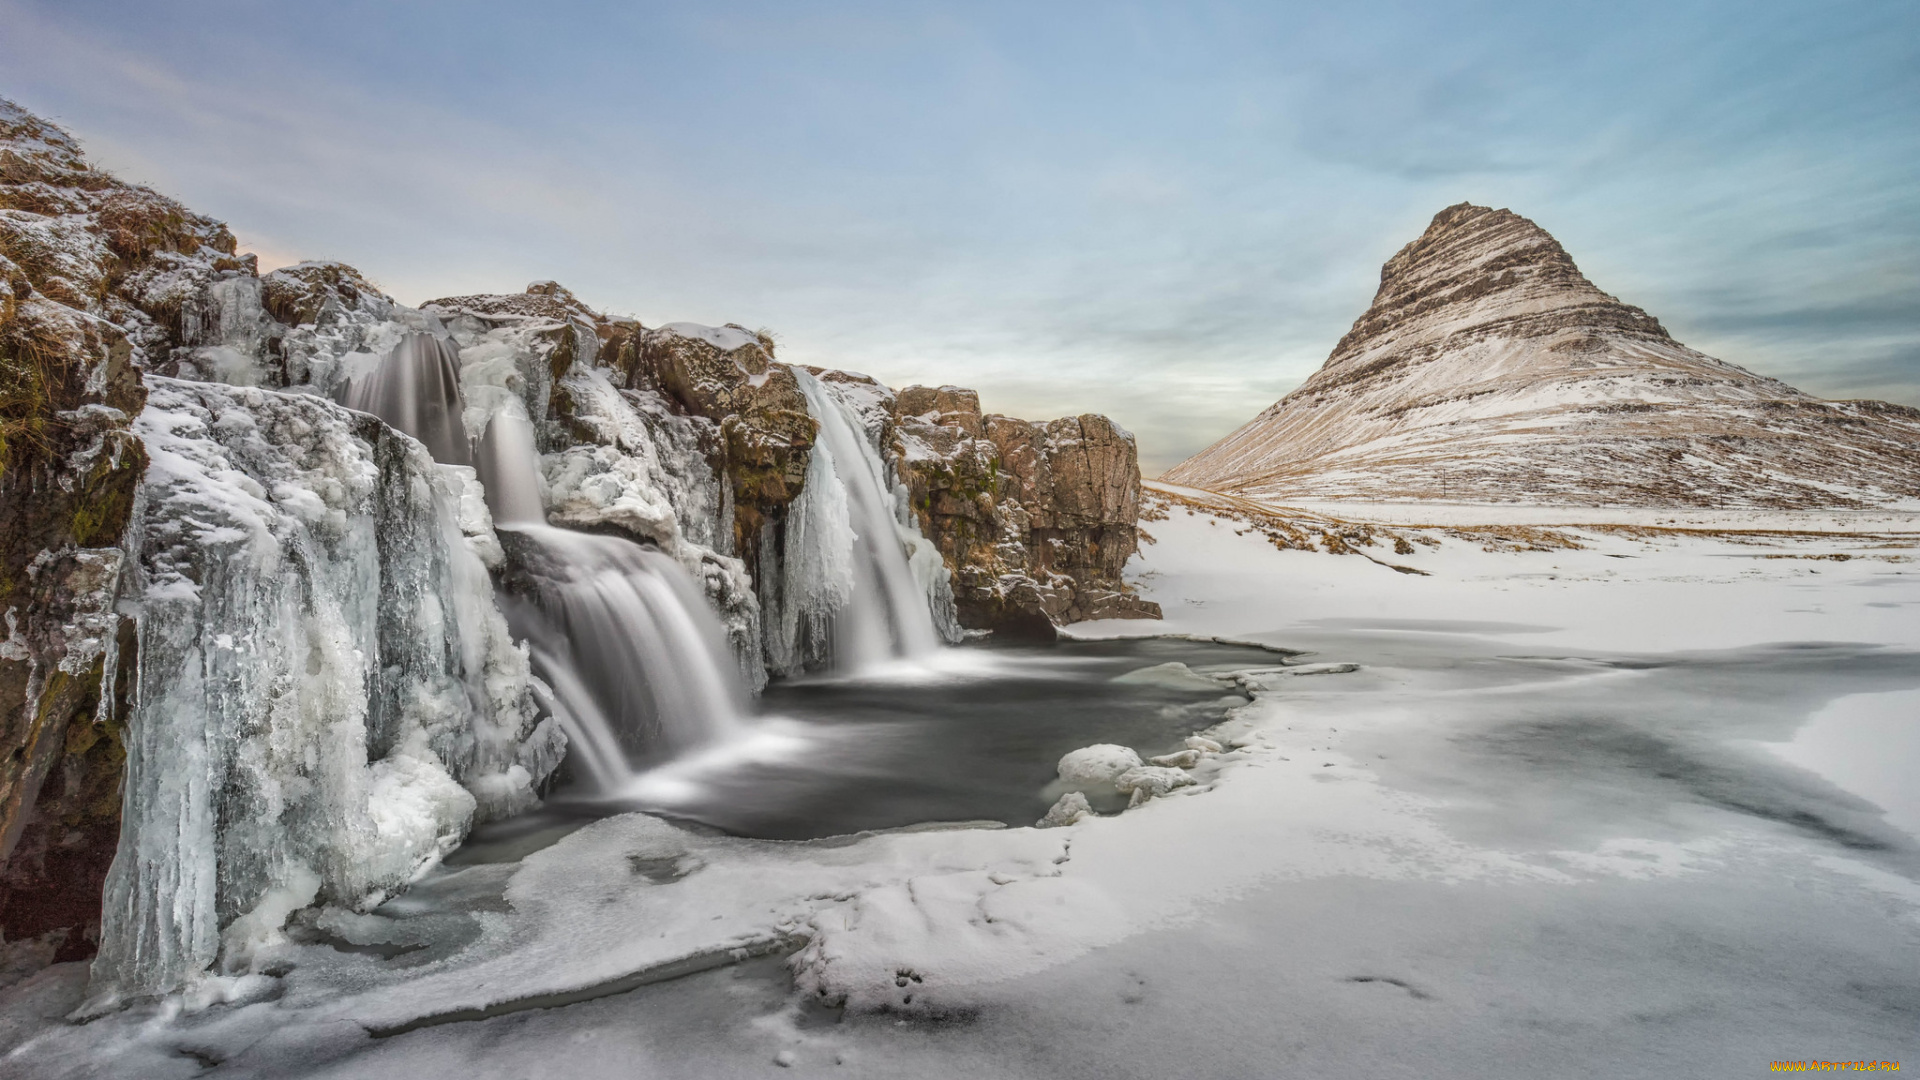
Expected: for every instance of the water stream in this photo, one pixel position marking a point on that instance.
(416, 389)
(859, 589)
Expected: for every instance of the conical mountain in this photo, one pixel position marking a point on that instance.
(1489, 369)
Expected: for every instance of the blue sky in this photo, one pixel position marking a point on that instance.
(1165, 212)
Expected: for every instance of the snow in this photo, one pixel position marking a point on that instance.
(724, 338)
(1867, 744)
(1097, 765)
(1546, 815)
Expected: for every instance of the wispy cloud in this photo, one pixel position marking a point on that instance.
(1165, 212)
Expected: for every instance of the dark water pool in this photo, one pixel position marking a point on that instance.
(976, 739)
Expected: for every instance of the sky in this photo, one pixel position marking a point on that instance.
(1167, 213)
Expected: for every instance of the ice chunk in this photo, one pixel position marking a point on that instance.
(1180, 759)
(1070, 810)
(1172, 675)
(1149, 781)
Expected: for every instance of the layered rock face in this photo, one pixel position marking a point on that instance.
(1489, 369)
(1037, 520)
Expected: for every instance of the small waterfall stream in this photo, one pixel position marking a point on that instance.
(411, 389)
(885, 595)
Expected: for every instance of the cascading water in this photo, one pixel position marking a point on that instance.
(856, 568)
(416, 389)
(638, 665)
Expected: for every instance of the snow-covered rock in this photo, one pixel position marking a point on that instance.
(1149, 781)
(1070, 809)
(1097, 765)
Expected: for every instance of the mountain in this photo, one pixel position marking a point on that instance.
(1489, 369)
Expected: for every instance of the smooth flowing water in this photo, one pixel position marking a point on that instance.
(862, 589)
(980, 743)
(638, 663)
(416, 388)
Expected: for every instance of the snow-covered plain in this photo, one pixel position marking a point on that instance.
(1639, 806)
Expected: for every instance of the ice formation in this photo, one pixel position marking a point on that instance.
(327, 696)
(1148, 781)
(858, 584)
(638, 665)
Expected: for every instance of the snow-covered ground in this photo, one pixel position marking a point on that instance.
(1645, 805)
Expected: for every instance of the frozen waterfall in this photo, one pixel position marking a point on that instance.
(638, 664)
(326, 697)
(858, 582)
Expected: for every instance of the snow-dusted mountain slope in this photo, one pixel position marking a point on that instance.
(1490, 369)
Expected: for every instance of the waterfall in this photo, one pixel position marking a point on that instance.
(505, 464)
(858, 580)
(638, 664)
(416, 389)
(637, 661)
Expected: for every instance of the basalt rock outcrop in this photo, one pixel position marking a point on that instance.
(1488, 368)
(1035, 520)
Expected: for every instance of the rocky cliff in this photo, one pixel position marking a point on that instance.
(89, 276)
(1488, 368)
(1037, 519)
(688, 438)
